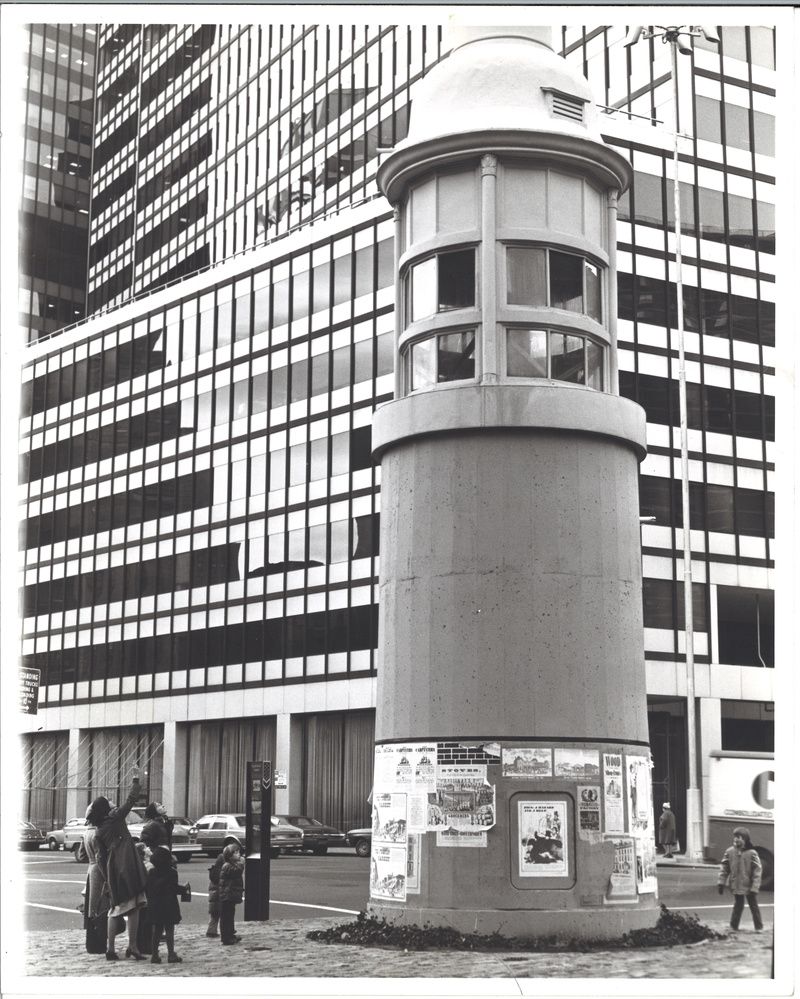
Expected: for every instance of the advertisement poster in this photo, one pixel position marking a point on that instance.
(579, 764)
(460, 837)
(463, 799)
(519, 762)
(387, 872)
(389, 819)
(589, 811)
(622, 881)
(408, 767)
(412, 865)
(646, 866)
(417, 815)
(640, 809)
(613, 796)
(542, 839)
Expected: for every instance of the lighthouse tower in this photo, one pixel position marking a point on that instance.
(512, 787)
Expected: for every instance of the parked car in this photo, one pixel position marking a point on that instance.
(361, 840)
(317, 837)
(30, 838)
(57, 838)
(184, 841)
(214, 832)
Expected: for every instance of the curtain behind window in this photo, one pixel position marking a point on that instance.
(218, 752)
(338, 767)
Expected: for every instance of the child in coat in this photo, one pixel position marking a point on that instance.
(213, 896)
(741, 871)
(231, 892)
(162, 902)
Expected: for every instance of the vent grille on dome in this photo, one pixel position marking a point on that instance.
(567, 107)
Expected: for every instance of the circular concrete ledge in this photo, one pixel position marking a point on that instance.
(601, 923)
(544, 405)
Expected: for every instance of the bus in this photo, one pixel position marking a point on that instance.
(742, 793)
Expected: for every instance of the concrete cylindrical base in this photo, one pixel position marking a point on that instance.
(600, 924)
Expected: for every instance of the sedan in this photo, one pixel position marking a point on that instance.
(184, 842)
(361, 840)
(61, 838)
(30, 838)
(317, 837)
(215, 832)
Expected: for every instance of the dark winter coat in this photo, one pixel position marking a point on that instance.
(157, 832)
(231, 881)
(666, 828)
(740, 870)
(162, 895)
(213, 881)
(122, 866)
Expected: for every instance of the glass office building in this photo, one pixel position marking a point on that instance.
(200, 509)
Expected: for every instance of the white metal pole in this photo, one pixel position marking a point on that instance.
(694, 829)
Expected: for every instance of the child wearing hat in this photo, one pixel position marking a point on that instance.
(741, 871)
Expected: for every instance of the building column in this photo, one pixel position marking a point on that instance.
(289, 760)
(710, 738)
(77, 773)
(173, 782)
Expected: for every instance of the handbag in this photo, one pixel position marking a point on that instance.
(186, 892)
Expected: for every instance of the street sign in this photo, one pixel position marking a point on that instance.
(29, 690)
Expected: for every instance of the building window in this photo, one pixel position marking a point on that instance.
(440, 284)
(449, 357)
(746, 626)
(537, 277)
(565, 357)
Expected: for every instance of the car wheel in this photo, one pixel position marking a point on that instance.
(320, 851)
(363, 847)
(767, 868)
(77, 851)
(52, 843)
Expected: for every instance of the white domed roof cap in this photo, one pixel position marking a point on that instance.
(499, 77)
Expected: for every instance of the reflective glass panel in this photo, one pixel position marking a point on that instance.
(591, 275)
(456, 280)
(594, 365)
(423, 363)
(566, 282)
(526, 353)
(566, 358)
(423, 289)
(527, 275)
(456, 360)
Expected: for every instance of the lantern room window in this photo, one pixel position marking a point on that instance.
(441, 283)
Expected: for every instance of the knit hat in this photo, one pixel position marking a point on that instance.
(666, 805)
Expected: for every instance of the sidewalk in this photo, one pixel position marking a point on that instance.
(279, 949)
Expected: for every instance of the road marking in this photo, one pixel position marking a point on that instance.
(55, 881)
(686, 908)
(306, 905)
(52, 908)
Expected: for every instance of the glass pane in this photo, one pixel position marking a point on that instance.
(342, 279)
(278, 387)
(647, 198)
(242, 330)
(593, 295)
(322, 290)
(206, 330)
(734, 44)
(423, 363)
(740, 221)
(566, 358)
(280, 302)
(423, 289)
(341, 367)
(566, 282)
(240, 399)
(299, 380)
(300, 289)
(277, 469)
(363, 361)
(222, 405)
(762, 51)
(259, 403)
(319, 459)
(224, 323)
(594, 365)
(764, 133)
(456, 356)
(737, 126)
(712, 214)
(261, 310)
(707, 119)
(456, 280)
(526, 353)
(527, 275)
(319, 373)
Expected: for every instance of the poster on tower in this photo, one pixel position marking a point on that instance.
(640, 807)
(543, 842)
(614, 812)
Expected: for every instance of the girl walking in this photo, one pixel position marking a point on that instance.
(741, 871)
(231, 892)
(162, 902)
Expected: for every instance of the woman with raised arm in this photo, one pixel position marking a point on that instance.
(122, 866)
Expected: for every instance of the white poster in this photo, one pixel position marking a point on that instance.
(589, 812)
(413, 860)
(613, 793)
(460, 837)
(389, 819)
(527, 762)
(646, 866)
(417, 814)
(387, 872)
(543, 839)
(405, 767)
(463, 799)
(579, 764)
(640, 807)
(622, 880)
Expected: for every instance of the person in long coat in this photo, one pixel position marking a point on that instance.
(162, 902)
(157, 830)
(666, 829)
(122, 867)
(97, 901)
